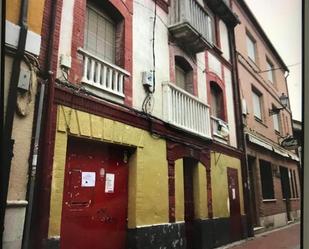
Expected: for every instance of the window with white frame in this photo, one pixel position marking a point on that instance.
(276, 121)
(217, 106)
(251, 48)
(100, 34)
(270, 71)
(224, 40)
(257, 104)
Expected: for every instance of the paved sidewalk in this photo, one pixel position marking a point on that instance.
(283, 238)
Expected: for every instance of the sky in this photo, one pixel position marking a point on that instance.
(281, 21)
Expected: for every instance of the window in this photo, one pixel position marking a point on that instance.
(270, 72)
(217, 109)
(288, 183)
(285, 182)
(251, 47)
(295, 183)
(183, 74)
(267, 180)
(257, 105)
(224, 40)
(100, 34)
(276, 121)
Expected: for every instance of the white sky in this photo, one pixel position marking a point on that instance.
(281, 21)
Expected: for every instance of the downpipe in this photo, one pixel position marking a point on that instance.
(7, 153)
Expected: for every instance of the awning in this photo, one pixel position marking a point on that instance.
(259, 142)
(279, 151)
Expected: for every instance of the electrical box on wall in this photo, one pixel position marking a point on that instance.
(65, 61)
(24, 79)
(147, 79)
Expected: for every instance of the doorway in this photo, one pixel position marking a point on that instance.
(252, 174)
(234, 201)
(95, 196)
(188, 167)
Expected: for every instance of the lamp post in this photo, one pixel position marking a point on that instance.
(284, 100)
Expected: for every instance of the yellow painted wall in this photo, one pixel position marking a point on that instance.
(35, 13)
(148, 176)
(179, 191)
(219, 183)
(200, 193)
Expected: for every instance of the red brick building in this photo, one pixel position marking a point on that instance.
(273, 170)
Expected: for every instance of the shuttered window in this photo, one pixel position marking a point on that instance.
(257, 104)
(100, 34)
(180, 77)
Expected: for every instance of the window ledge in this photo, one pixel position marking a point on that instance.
(269, 200)
(292, 199)
(260, 121)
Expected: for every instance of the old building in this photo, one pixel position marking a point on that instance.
(273, 173)
(143, 142)
(23, 97)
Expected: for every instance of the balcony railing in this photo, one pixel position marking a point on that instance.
(190, 24)
(102, 76)
(185, 111)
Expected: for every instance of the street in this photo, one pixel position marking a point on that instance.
(283, 238)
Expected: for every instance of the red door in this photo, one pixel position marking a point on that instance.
(95, 197)
(235, 217)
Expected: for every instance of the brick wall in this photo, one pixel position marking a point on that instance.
(266, 208)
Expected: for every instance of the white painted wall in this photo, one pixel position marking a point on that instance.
(66, 28)
(201, 77)
(230, 106)
(214, 65)
(142, 52)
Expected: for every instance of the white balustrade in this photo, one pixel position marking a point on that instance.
(190, 11)
(185, 111)
(103, 75)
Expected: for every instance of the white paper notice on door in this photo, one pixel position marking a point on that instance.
(88, 179)
(109, 183)
(234, 193)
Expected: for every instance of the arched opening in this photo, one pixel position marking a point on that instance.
(183, 74)
(217, 101)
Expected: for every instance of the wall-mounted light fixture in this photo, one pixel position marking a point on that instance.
(284, 100)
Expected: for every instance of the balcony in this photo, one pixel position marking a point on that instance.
(185, 111)
(190, 25)
(220, 130)
(102, 78)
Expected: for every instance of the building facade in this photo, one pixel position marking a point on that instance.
(22, 85)
(142, 143)
(273, 170)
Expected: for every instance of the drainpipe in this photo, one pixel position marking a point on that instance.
(241, 138)
(10, 111)
(31, 183)
(39, 230)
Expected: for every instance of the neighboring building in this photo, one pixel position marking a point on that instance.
(133, 158)
(274, 181)
(23, 21)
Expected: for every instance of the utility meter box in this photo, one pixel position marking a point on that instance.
(24, 79)
(147, 79)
